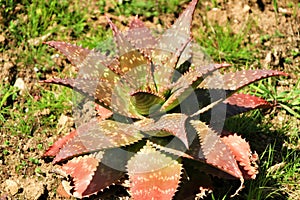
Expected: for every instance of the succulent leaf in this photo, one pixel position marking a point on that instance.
(55, 148)
(181, 30)
(89, 61)
(68, 82)
(99, 135)
(130, 57)
(102, 113)
(218, 154)
(185, 84)
(168, 55)
(163, 75)
(233, 105)
(75, 54)
(81, 169)
(240, 103)
(97, 90)
(173, 124)
(170, 150)
(140, 37)
(215, 151)
(89, 175)
(146, 103)
(153, 175)
(241, 150)
(134, 83)
(233, 81)
(105, 175)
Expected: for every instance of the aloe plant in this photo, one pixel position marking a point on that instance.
(160, 104)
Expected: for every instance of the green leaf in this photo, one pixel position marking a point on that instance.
(146, 103)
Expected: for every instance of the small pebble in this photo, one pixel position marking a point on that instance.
(20, 84)
(12, 186)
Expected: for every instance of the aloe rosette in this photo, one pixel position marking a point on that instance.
(159, 102)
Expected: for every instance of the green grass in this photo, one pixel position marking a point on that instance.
(48, 17)
(24, 116)
(142, 7)
(289, 100)
(223, 45)
(275, 5)
(275, 177)
(31, 114)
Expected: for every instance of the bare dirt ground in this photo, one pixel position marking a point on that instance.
(24, 183)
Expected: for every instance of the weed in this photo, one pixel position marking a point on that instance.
(21, 166)
(288, 61)
(34, 160)
(6, 143)
(5, 152)
(274, 175)
(38, 170)
(275, 5)
(40, 146)
(265, 38)
(295, 53)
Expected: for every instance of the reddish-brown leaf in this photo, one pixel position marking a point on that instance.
(246, 100)
(100, 90)
(97, 67)
(81, 169)
(89, 62)
(184, 85)
(105, 175)
(240, 103)
(102, 112)
(170, 151)
(140, 36)
(91, 174)
(99, 135)
(153, 175)
(233, 81)
(180, 31)
(215, 151)
(196, 153)
(55, 148)
(167, 54)
(172, 123)
(164, 70)
(129, 56)
(241, 150)
(74, 53)
(68, 82)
